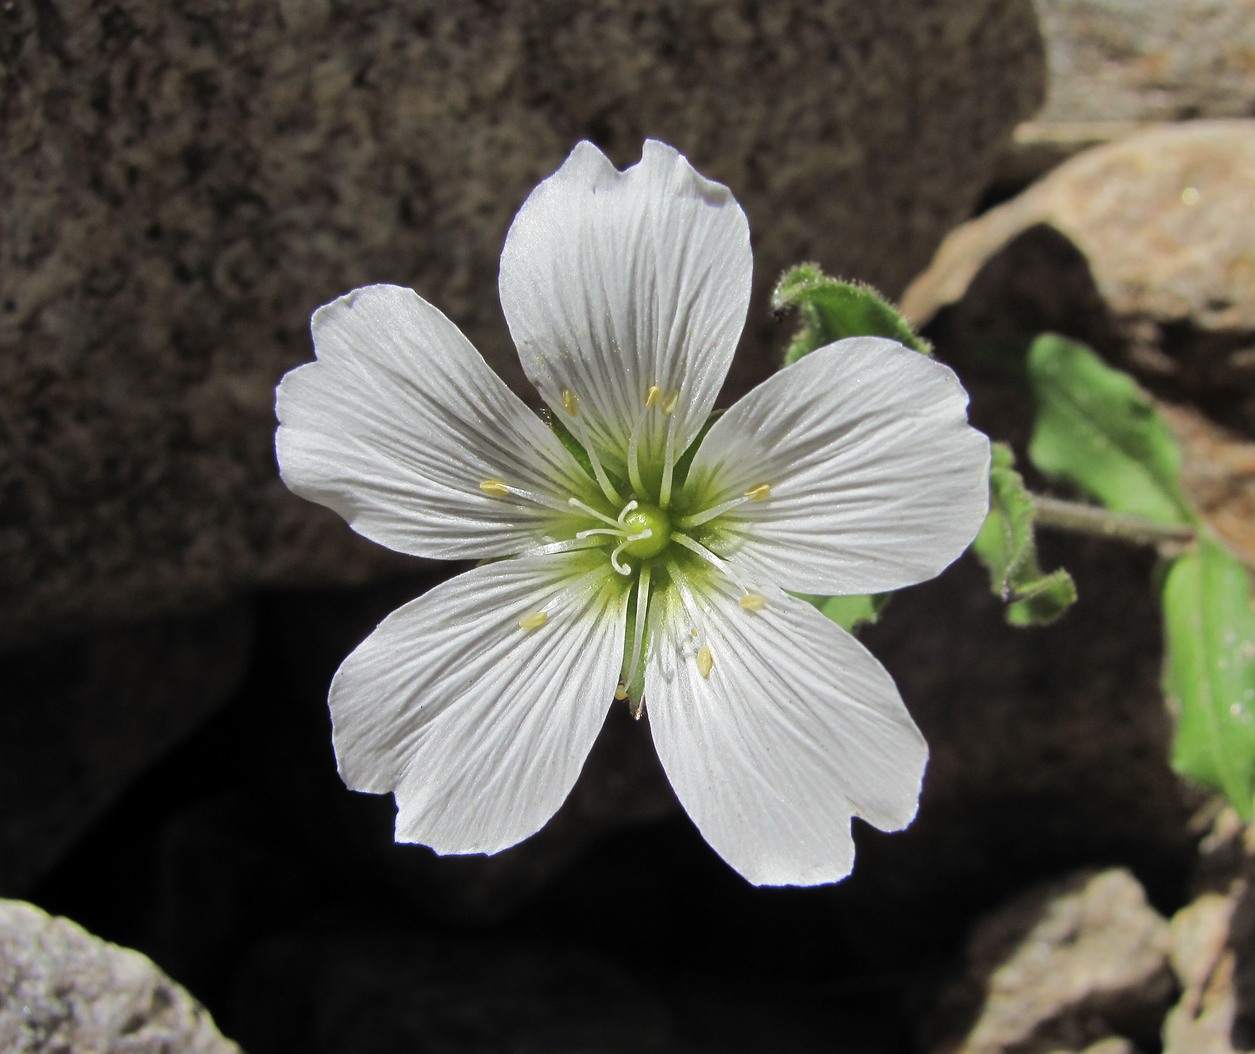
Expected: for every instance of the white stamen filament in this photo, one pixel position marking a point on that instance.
(499, 488)
(571, 403)
(715, 561)
(575, 503)
(668, 461)
(698, 518)
(638, 630)
(634, 446)
(569, 546)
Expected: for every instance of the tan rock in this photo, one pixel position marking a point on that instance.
(1202, 1020)
(1067, 967)
(1144, 248)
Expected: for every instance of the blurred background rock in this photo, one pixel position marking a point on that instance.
(183, 184)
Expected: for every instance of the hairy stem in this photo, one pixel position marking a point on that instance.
(1091, 519)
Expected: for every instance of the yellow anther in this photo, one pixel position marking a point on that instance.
(570, 402)
(652, 394)
(620, 692)
(671, 401)
(705, 661)
(758, 493)
(533, 620)
(495, 487)
(753, 602)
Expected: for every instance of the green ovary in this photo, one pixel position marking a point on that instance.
(647, 518)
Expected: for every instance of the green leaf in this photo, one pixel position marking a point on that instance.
(1098, 430)
(832, 310)
(1209, 670)
(850, 612)
(1043, 600)
(1008, 549)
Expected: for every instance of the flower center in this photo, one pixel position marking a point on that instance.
(648, 531)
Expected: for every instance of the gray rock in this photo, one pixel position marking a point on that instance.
(83, 716)
(63, 991)
(1141, 248)
(183, 184)
(1081, 964)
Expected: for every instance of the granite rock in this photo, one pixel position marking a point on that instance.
(1066, 967)
(182, 184)
(1144, 248)
(64, 990)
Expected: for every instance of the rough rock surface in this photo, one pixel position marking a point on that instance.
(183, 184)
(1144, 248)
(1116, 67)
(1153, 60)
(82, 717)
(1081, 964)
(63, 991)
(1213, 948)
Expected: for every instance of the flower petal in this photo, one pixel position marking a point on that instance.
(477, 724)
(400, 421)
(612, 282)
(876, 479)
(778, 733)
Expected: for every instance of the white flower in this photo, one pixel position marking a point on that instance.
(652, 565)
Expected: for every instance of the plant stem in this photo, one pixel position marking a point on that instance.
(1091, 519)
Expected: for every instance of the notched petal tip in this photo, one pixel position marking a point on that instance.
(771, 751)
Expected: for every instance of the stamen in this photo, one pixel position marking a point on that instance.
(631, 506)
(758, 493)
(533, 620)
(571, 403)
(575, 503)
(699, 549)
(620, 692)
(671, 401)
(652, 394)
(668, 461)
(569, 546)
(706, 515)
(495, 487)
(708, 556)
(705, 661)
(634, 445)
(613, 532)
(753, 602)
(638, 630)
(499, 489)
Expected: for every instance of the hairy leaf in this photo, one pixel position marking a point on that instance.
(1008, 549)
(832, 310)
